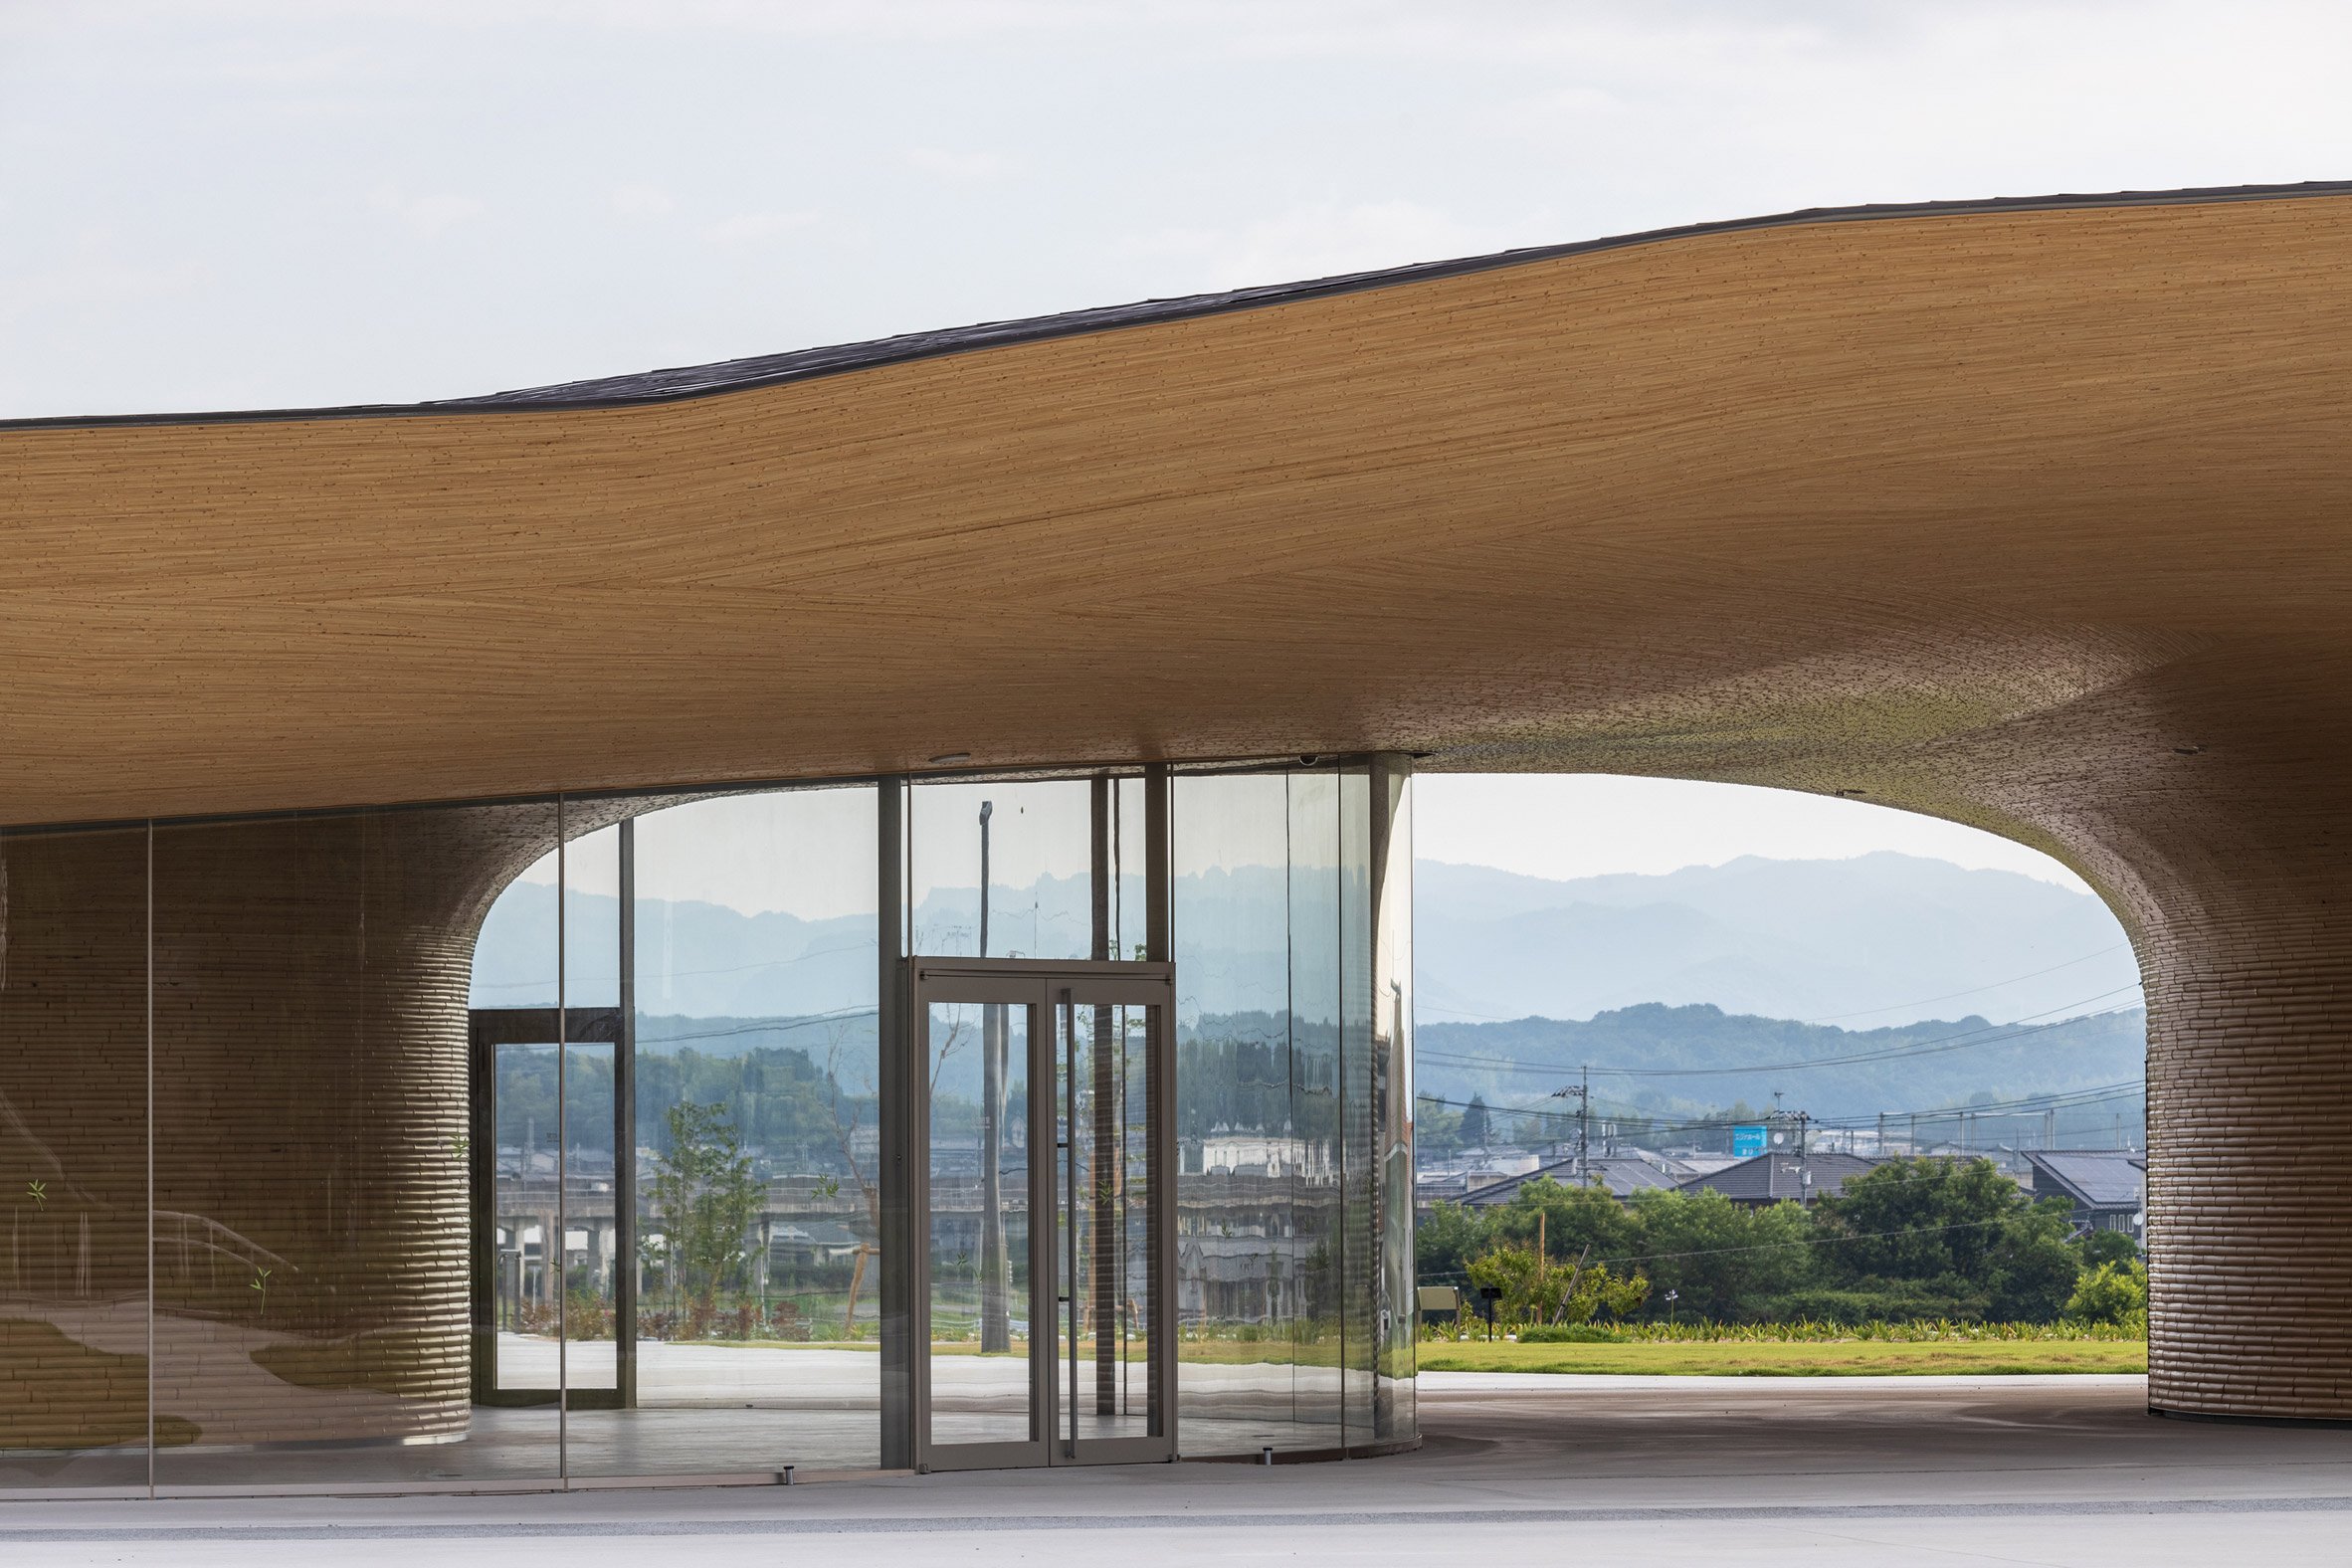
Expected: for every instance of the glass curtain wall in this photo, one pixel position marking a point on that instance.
(1050, 869)
(396, 1148)
(717, 1290)
(312, 1301)
(73, 1374)
(759, 1260)
(1389, 1211)
(1289, 1125)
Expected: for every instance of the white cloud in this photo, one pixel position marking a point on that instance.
(427, 215)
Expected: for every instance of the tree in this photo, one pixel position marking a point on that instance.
(1721, 1257)
(1571, 1220)
(2105, 1246)
(2034, 1272)
(1918, 1219)
(1530, 1287)
(1596, 1291)
(1445, 1240)
(703, 1188)
(2111, 1293)
(1475, 1130)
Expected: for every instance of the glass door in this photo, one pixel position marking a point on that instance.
(1112, 1394)
(544, 1148)
(1046, 1238)
(979, 1373)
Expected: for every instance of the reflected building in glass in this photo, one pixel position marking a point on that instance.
(731, 1135)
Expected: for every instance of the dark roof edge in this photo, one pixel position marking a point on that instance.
(742, 375)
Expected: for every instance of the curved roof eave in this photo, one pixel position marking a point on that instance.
(641, 388)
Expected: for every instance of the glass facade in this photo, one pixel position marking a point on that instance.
(1291, 1315)
(532, 1142)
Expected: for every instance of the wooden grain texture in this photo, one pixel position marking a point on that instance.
(2033, 519)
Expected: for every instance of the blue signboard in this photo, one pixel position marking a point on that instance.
(1746, 1142)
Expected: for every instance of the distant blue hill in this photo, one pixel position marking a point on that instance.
(1878, 939)
(1881, 939)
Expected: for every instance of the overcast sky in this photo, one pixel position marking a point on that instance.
(269, 205)
(244, 205)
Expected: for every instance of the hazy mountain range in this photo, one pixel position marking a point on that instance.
(1756, 964)
(1878, 939)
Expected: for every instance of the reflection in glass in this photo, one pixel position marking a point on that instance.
(1359, 1118)
(391, 1216)
(73, 1165)
(1238, 1295)
(1034, 900)
(1390, 872)
(756, 1262)
(1103, 1241)
(522, 1212)
(1314, 1120)
(977, 1229)
(313, 1146)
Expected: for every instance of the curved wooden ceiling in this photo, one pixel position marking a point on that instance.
(1823, 504)
(2036, 515)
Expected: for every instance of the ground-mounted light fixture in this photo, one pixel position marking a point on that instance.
(1850, 792)
(2186, 751)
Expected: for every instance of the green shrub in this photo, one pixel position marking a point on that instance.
(1568, 1334)
(2111, 1294)
(1877, 1301)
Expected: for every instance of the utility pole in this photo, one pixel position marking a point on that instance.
(1584, 1126)
(1582, 1090)
(1804, 1163)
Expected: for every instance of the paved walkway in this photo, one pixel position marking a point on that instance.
(1882, 1472)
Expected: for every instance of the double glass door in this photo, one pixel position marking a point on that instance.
(1046, 1207)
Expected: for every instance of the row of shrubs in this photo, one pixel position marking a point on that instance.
(587, 1318)
(1809, 1331)
(1911, 1240)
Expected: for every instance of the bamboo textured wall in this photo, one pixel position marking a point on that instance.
(2033, 519)
(310, 1109)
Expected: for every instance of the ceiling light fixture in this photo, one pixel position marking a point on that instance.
(945, 757)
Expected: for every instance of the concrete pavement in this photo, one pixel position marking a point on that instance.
(1824, 1472)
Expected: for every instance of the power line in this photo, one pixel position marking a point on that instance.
(2058, 1100)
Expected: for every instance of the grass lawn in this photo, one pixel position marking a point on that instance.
(1835, 1358)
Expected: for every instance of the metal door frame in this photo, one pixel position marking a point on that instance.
(1043, 986)
(489, 1028)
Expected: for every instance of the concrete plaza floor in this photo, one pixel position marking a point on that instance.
(1889, 1471)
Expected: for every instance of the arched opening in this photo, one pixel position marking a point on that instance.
(1713, 1079)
